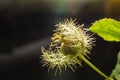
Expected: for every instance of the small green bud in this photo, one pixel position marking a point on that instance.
(70, 50)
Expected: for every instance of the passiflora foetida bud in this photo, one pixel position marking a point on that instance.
(69, 41)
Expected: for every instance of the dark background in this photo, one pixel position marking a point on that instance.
(27, 25)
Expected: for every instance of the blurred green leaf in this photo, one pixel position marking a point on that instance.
(116, 72)
(108, 29)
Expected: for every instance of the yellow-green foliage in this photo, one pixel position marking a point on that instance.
(108, 29)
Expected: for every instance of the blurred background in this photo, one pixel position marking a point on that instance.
(27, 25)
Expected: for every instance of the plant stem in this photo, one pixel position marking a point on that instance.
(95, 68)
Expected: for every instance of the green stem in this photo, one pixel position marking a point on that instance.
(95, 68)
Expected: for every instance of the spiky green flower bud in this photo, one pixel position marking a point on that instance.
(69, 41)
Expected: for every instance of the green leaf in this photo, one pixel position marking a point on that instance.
(108, 29)
(116, 71)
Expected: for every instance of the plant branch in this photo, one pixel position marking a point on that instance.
(95, 68)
